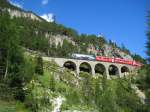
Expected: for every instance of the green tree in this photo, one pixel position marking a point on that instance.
(147, 78)
(126, 97)
(52, 83)
(14, 59)
(102, 43)
(107, 95)
(139, 58)
(52, 50)
(98, 93)
(87, 89)
(39, 65)
(148, 37)
(67, 48)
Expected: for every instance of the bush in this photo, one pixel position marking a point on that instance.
(39, 65)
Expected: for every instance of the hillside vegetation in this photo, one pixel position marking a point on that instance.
(38, 35)
(31, 84)
(85, 94)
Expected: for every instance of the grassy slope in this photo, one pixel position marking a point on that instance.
(12, 106)
(65, 84)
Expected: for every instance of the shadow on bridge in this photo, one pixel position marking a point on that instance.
(113, 70)
(124, 69)
(85, 67)
(100, 69)
(70, 65)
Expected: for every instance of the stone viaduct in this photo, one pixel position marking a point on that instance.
(93, 67)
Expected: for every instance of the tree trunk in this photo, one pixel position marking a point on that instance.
(7, 62)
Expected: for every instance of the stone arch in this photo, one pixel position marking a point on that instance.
(124, 69)
(85, 67)
(113, 70)
(70, 65)
(100, 68)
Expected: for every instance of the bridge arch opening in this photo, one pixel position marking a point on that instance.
(113, 70)
(124, 69)
(70, 65)
(85, 67)
(100, 69)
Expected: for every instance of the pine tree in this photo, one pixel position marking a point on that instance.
(52, 83)
(147, 79)
(87, 89)
(102, 43)
(98, 93)
(148, 37)
(12, 57)
(39, 66)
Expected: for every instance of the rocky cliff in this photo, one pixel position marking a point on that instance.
(21, 14)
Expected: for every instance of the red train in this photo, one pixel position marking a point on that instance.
(118, 60)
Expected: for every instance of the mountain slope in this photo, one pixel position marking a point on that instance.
(41, 86)
(56, 37)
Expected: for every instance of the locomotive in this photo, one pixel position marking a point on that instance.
(105, 59)
(83, 56)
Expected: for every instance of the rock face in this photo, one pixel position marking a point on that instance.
(108, 51)
(57, 103)
(139, 93)
(115, 52)
(58, 39)
(16, 13)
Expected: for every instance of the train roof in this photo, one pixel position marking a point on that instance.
(81, 54)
